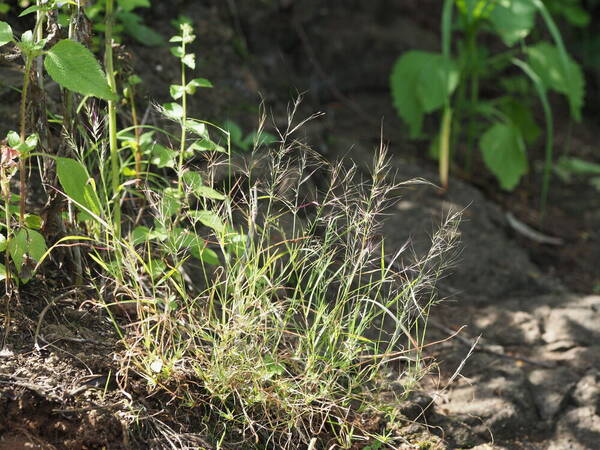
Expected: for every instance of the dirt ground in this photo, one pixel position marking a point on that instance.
(532, 381)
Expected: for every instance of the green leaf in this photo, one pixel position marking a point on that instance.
(77, 184)
(578, 166)
(421, 82)
(197, 83)
(504, 154)
(173, 111)
(198, 128)
(437, 82)
(235, 132)
(193, 180)
(205, 254)
(546, 62)
(176, 91)
(134, 27)
(3, 243)
(74, 67)
(208, 192)
(170, 203)
(163, 157)
(522, 117)
(26, 244)
(33, 222)
(513, 20)
(209, 219)
(189, 60)
(2, 272)
(130, 5)
(6, 34)
(140, 234)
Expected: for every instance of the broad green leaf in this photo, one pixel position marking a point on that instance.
(130, 5)
(156, 268)
(235, 132)
(74, 67)
(209, 219)
(205, 254)
(191, 87)
(140, 234)
(172, 111)
(504, 154)
(522, 117)
(6, 34)
(513, 19)
(3, 243)
(189, 60)
(546, 62)
(236, 242)
(170, 203)
(193, 180)
(134, 27)
(176, 91)
(77, 184)
(26, 244)
(421, 82)
(2, 272)
(437, 82)
(163, 157)
(198, 128)
(33, 221)
(208, 192)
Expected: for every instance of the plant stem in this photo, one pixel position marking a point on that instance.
(474, 86)
(23, 126)
(183, 122)
(112, 118)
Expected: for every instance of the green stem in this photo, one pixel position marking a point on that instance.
(183, 122)
(112, 118)
(22, 135)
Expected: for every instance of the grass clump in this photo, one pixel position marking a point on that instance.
(254, 290)
(283, 340)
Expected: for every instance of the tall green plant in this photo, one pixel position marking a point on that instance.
(451, 82)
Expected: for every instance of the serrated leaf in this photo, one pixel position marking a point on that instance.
(437, 82)
(6, 34)
(513, 20)
(74, 67)
(412, 94)
(209, 219)
(503, 152)
(76, 182)
(545, 60)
